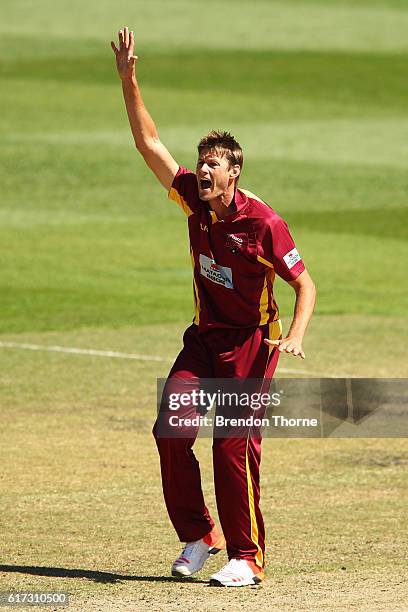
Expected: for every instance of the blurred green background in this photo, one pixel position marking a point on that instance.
(316, 93)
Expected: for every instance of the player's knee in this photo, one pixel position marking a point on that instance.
(164, 442)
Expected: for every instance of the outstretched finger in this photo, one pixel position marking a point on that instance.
(114, 48)
(121, 41)
(272, 342)
(126, 36)
(131, 42)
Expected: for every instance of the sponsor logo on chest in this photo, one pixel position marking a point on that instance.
(216, 273)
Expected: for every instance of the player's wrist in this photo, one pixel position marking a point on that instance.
(128, 78)
(296, 336)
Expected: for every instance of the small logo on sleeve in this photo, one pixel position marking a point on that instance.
(291, 258)
(215, 273)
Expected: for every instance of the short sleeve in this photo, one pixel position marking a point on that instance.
(184, 191)
(280, 249)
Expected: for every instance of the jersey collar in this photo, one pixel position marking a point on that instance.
(241, 202)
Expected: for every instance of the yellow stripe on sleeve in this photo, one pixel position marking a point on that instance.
(176, 197)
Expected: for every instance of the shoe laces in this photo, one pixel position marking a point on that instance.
(188, 550)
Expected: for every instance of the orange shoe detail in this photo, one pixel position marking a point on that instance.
(258, 571)
(215, 540)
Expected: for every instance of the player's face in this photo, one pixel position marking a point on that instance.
(214, 175)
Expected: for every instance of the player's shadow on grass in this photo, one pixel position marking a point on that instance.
(96, 576)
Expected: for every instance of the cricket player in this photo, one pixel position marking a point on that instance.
(237, 245)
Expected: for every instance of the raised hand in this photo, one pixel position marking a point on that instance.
(125, 60)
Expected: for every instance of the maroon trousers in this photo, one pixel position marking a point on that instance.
(218, 353)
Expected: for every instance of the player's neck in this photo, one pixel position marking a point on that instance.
(224, 204)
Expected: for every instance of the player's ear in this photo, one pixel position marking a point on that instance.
(235, 171)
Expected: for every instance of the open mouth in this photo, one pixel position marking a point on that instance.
(205, 184)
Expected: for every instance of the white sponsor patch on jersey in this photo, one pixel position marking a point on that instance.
(291, 258)
(215, 273)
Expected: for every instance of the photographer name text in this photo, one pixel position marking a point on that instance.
(251, 421)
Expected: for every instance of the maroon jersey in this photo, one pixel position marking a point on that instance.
(235, 259)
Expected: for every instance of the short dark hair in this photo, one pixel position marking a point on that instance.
(225, 145)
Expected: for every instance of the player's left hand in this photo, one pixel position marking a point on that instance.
(291, 344)
(125, 58)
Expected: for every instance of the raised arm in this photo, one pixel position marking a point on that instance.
(144, 131)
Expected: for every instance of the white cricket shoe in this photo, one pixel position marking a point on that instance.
(238, 572)
(195, 554)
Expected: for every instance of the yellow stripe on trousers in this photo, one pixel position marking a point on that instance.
(259, 558)
(275, 332)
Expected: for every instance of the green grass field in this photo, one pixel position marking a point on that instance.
(93, 256)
